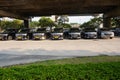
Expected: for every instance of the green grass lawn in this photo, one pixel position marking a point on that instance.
(83, 68)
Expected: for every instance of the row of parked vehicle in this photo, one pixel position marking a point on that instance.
(57, 33)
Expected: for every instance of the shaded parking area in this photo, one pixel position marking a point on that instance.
(18, 52)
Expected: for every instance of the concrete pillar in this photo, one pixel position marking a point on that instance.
(26, 23)
(107, 22)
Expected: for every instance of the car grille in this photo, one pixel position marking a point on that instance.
(90, 35)
(108, 34)
(74, 35)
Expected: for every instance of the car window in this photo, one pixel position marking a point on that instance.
(58, 30)
(24, 30)
(9, 30)
(105, 29)
(33, 30)
(89, 30)
(41, 30)
(74, 30)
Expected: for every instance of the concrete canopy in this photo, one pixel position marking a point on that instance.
(23, 9)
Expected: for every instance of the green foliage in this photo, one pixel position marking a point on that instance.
(81, 60)
(34, 24)
(84, 68)
(63, 19)
(93, 23)
(11, 24)
(46, 22)
(65, 25)
(90, 71)
(115, 22)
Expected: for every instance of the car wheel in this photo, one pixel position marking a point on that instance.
(16, 39)
(45, 37)
(28, 37)
(111, 37)
(3, 39)
(9, 37)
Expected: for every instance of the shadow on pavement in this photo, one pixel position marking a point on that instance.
(14, 56)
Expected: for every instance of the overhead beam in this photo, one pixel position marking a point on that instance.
(12, 2)
(59, 2)
(101, 3)
(22, 8)
(113, 13)
(11, 15)
(38, 4)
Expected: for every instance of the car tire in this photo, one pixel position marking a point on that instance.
(111, 37)
(10, 38)
(16, 39)
(28, 37)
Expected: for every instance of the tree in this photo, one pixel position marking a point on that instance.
(17, 23)
(46, 22)
(63, 19)
(34, 24)
(11, 24)
(115, 22)
(65, 25)
(93, 23)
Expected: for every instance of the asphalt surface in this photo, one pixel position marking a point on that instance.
(19, 52)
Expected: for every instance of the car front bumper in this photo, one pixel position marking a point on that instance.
(90, 36)
(39, 37)
(3, 37)
(21, 37)
(106, 36)
(57, 37)
(74, 36)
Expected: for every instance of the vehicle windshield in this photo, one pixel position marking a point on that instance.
(41, 30)
(58, 30)
(33, 30)
(24, 30)
(90, 30)
(118, 29)
(105, 29)
(9, 30)
(74, 30)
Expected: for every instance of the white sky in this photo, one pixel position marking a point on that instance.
(72, 19)
(79, 19)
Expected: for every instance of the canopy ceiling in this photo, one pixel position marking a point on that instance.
(27, 8)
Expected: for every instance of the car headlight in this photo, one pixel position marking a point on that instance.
(24, 34)
(42, 34)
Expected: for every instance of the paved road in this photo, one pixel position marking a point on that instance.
(17, 52)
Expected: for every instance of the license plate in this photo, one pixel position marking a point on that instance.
(74, 36)
(19, 37)
(36, 37)
(56, 37)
